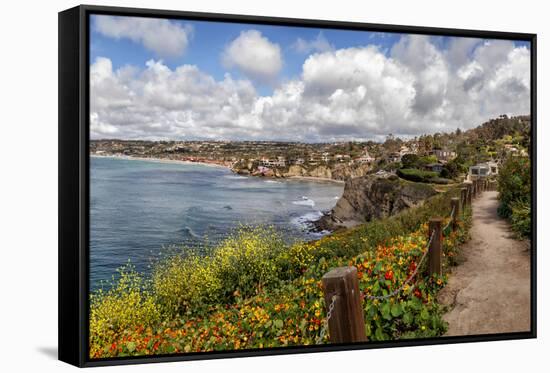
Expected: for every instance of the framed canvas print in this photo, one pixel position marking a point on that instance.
(244, 185)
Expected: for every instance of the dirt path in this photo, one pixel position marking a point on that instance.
(490, 291)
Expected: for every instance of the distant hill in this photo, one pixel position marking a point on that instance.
(502, 126)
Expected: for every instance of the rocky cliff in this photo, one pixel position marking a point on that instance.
(338, 171)
(334, 172)
(373, 197)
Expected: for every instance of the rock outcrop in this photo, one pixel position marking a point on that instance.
(373, 197)
(335, 172)
(339, 171)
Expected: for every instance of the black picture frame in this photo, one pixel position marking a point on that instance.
(73, 250)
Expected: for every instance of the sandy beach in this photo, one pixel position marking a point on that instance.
(164, 160)
(158, 160)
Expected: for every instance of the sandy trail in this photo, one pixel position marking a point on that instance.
(490, 291)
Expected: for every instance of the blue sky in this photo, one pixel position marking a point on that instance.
(247, 81)
(210, 38)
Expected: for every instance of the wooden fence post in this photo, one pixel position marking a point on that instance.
(455, 205)
(435, 246)
(469, 194)
(346, 323)
(463, 193)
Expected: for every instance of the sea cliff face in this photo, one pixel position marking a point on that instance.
(339, 172)
(373, 197)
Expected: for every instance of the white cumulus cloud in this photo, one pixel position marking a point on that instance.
(161, 36)
(254, 55)
(319, 44)
(355, 93)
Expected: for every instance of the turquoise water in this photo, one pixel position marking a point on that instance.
(138, 207)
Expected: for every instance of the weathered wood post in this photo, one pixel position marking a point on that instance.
(455, 206)
(346, 323)
(435, 247)
(474, 189)
(463, 194)
(470, 192)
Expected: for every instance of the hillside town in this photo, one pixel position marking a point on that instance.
(437, 158)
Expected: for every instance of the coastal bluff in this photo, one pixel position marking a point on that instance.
(338, 172)
(373, 197)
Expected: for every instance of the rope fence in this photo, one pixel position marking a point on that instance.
(345, 321)
(398, 290)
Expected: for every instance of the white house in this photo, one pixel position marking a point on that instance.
(483, 170)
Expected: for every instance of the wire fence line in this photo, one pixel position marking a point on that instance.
(324, 328)
(450, 219)
(396, 291)
(411, 276)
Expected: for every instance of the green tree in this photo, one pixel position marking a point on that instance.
(514, 187)
(410, 161)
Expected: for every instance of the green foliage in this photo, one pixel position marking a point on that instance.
(241, 265)
(514, 187)
(392, 166)
(253, 290)
(413, 174)
(454, 168)
(410, 161)
(425, 160)
(124, 306)
(521, 218)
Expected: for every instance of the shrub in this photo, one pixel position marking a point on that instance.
(240, 265)
(293, 313)
(425, 160)
(521, 218)
(253, 290)
(413, 174)
(185, 281)
(410, 161)
(126, 305)
(454, 168)
(392, 166)
(246, 261)
(514, 187)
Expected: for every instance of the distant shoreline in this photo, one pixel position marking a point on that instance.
(213, 164)
(158, 160)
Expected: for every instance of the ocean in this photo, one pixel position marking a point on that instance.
(139, 207)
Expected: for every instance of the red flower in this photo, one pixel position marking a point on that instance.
(412, 267)
(389, 275)
(417, 293)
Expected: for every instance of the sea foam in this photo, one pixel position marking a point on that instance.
(305, 201)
